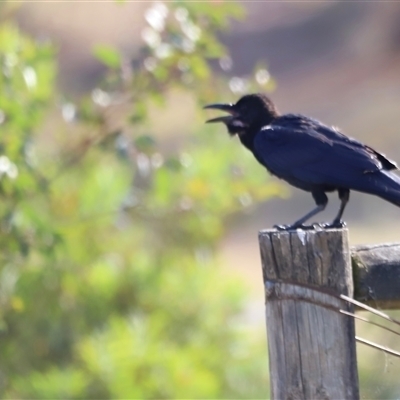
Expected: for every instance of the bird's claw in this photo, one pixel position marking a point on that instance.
(293, 227)
(334, 224)
(316, 226)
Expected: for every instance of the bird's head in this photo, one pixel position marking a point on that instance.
(248, 115)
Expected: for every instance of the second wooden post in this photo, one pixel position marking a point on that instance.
(312, 350)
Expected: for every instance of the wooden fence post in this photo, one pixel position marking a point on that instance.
(312, 350)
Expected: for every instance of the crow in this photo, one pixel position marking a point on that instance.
(309, 155)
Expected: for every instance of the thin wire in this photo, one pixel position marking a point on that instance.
(377, 346)
(370, 309)
(369, 321)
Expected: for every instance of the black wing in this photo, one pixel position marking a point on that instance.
(300, 149)
(332, 133)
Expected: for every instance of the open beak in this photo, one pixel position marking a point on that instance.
(229, 108)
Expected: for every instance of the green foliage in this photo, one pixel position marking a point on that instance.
(108, 56)
(109, 286)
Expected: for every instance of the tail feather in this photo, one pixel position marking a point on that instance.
(388, 187)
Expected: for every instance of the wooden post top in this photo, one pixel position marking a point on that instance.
(309, 257)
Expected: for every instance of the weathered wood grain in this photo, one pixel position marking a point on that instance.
(376, 272)
(312, 350)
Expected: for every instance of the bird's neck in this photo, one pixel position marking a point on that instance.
(247, 139)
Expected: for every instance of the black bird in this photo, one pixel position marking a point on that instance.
(309, 155)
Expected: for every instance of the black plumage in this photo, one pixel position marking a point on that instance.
(309, 155)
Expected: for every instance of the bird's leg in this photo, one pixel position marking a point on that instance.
(321, 199)
(344, 196)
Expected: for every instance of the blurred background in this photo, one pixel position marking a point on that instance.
(129, 258)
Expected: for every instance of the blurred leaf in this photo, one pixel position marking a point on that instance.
(145, 143)
(107, 55)
(109, 286)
